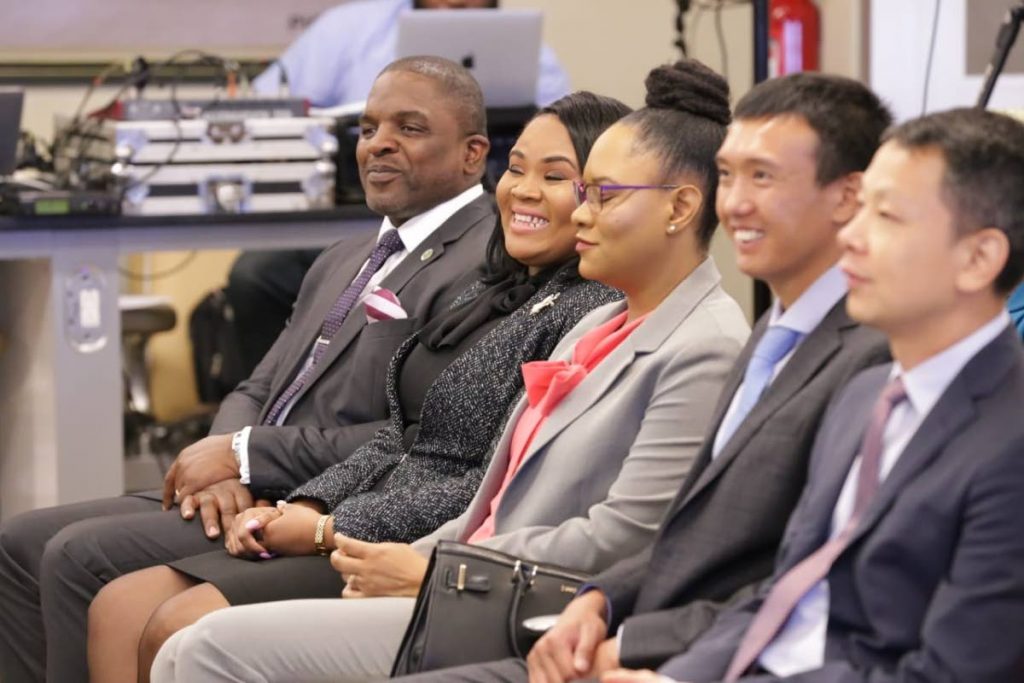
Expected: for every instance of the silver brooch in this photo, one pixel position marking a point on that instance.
(546, 302)
(425, 256)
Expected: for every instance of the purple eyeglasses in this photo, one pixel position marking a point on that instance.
(593, 195)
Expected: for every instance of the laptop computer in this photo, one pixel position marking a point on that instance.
(11, 100)
(482, 40)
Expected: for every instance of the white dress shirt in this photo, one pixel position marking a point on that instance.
(800, 645)
(413, 232)
(803, 316)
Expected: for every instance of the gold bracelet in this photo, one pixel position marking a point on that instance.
(318, 537)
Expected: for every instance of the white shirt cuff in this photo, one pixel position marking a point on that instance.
(240, 447)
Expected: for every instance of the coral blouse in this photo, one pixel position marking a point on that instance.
(547, 383)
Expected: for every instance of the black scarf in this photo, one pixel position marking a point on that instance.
(495, 300)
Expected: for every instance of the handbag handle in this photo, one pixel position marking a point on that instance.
(522, 584)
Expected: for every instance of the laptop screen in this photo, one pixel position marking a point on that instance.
(10, 125)
(481, 40)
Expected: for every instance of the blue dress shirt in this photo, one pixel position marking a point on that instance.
(336, 59)
(803, 316)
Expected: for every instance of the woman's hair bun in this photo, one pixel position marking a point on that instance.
(690, 87)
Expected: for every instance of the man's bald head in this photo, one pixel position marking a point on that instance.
(457, 84)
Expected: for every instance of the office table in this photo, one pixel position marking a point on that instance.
(61, 393)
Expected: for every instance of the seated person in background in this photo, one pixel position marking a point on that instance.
(450, 386)
(421, 170)
(789, 172)
(1016, 309)
(905, 559)
(333, 62)
(608, 429)
(261, 290)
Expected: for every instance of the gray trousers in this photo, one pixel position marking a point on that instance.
(307, 641)
(329, 640)
(53, 561)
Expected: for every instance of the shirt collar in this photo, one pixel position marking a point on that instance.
(928, 380)
(813, 305)
(419, 227)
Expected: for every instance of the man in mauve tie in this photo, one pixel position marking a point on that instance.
(904, 560)
(317, 394)
(789, 174)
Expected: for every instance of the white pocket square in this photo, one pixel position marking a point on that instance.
(382, 304)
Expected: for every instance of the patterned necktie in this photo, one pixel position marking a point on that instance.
(794, 584)
(771, 348)
(390, 242)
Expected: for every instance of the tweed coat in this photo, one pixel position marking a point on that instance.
(463, 413)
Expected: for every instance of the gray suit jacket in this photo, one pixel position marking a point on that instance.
(345, 403)
(602, 468)
(932, 586)
(723, 529)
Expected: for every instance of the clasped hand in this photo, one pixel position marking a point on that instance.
(264, 532)
(198, 467)
(577, 645)
(378, 569)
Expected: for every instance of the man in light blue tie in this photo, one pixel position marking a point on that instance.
(789, 174)
(904, 558)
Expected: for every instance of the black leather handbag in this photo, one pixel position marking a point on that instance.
(472, 605)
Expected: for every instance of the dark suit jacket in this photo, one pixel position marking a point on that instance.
(932, 586)
(724, 528)
(345, 403)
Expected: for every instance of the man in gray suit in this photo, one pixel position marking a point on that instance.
(905, 559)
(317, 394)
(789, 174)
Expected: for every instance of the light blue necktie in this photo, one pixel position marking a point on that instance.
(773, 346)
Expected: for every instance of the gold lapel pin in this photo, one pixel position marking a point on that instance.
(425, 256)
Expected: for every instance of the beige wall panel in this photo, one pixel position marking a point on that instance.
(173, 381)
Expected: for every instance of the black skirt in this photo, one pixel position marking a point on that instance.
(244, 582)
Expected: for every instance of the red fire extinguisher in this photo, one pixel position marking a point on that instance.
(794, 30)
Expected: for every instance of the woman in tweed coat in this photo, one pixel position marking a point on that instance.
(450, 389)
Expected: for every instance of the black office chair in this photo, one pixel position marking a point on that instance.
(141, 318)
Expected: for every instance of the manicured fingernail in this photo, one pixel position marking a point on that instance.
(281, 503)
(252, 524)
(266, 556)
(212, 531)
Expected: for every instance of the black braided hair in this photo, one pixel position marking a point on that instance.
(684, 124)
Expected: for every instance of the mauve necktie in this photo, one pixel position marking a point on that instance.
(795, 583)
(773, 346)
(389, 243)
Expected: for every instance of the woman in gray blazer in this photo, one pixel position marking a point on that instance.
(593, 454)
(450, 388)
